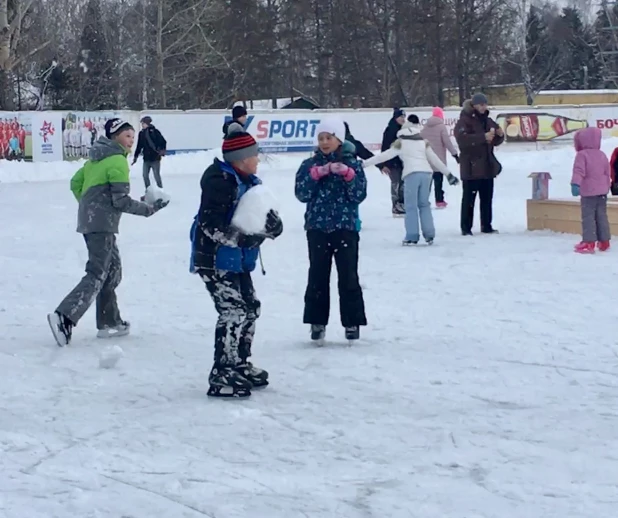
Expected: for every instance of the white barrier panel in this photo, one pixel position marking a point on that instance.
(283, 131)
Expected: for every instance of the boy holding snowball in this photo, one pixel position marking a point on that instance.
(224, 255)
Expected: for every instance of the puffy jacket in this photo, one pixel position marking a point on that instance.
(215, 243)
(388, 137)
(415, 153)
(591, 170)
(332, 203)
(102, 188)
(151, 143)
(436, 133)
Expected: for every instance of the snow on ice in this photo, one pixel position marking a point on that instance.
(110, 356)
(252, 209)
(485, 386)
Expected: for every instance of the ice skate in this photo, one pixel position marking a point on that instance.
(226, 382)
(256, 376)
(352, 333)
(584, 248)
(399, 211)
(61, 327)
(603, 246)
(452, 179)
(409, 242)
(490, 231)
(121, 329)
(318, 333)
(429, 241)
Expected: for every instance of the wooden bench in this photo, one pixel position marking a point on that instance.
(564, 215)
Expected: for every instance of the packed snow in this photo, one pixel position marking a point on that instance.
(485, 386)
(154, 194)
(252, 209)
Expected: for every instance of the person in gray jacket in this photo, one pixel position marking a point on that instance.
(101, 187)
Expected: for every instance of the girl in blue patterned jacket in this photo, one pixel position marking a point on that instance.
(332, 183)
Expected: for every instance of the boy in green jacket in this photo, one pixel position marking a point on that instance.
(102, 189)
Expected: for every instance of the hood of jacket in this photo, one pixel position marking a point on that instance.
(347, 150)
(433, 121)
(468, 110)
(409, 130)
(104, 148)
(588, 138)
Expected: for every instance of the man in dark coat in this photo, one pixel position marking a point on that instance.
(361, 150)
(393, 168)
(477, 134)
(153, 146)
(239, 115)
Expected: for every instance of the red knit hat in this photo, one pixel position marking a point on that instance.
(238, 144)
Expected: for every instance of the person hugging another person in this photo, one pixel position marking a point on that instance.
(591, 180)
(436, 133)
(332, 183)
(419, 163)
(224, 257)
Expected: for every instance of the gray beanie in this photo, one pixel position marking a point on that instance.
(479, 99)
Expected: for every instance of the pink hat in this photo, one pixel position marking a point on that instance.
(438, 112)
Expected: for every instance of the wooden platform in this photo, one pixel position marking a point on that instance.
(565, 215)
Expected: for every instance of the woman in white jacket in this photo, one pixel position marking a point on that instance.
(419, 163)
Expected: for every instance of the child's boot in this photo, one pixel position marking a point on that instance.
(584, 248)
(318, 332)
(352, 333)
(603, 246)
(256, 376)
(228, 382)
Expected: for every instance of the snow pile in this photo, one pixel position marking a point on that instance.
(250, 215)
(110, 356)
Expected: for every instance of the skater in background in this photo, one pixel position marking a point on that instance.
(239, 116)
(419, 162)
(393, 167)
(153, 146)
(332, 183)
(477, 135)
(591, 180)
(101, 187)
(436, 133)
(224, 258)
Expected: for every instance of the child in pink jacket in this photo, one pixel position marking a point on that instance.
(591, 181)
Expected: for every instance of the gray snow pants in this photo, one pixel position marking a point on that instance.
(595, 225)
(156, 169)
(396, 189)
(103, 275)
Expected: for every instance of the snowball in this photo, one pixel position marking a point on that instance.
(154, 193)
(250, 214)
(109, 356)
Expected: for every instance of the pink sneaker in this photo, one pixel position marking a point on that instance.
(584, 248)
(441, 205)
(603, 246)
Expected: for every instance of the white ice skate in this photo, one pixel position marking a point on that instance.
(116, 331)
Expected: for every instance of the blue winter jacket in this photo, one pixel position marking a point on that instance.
(215, 244)
(332, 203)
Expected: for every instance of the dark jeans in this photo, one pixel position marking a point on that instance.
(485, 190)
(343, 246)
(438, 181)
(396, 189)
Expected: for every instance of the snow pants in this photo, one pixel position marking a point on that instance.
(156, 170)
(238, 308)
(485, 190)
(343, 246)
(595, 225)
(103, 275)
(438, 184)
(396, 189)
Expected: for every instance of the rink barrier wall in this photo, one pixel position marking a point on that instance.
(63, 135)
(564, 215)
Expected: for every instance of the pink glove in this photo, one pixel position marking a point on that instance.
(317, 172)
(346, 172)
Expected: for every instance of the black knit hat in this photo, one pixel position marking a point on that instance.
(398, 112)
(146, 120)
(413, 119)
(238, 112)
(238, 144)
(115, 126)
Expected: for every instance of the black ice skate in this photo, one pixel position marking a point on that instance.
(227, 382)
(61, 327)
(257, 377)
(409, 242)
(352, 333)
(318, 333)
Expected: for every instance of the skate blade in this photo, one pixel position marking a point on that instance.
(319, 342)
(105, 334)
(58, 336)
(228, 392)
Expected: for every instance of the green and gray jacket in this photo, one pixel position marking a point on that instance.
(102, 189)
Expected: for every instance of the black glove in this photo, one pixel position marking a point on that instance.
(160, 204)
(274, 225)
(452, 179)
(250, 240)
(456, 157)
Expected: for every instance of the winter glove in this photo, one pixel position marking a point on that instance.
(452, 179)
(274, 225)
(346, 172)
(574, 189)
(456, 157)
(250, 241)
(160, 204)
(318, 172)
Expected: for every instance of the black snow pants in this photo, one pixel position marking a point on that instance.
(238, 307)
(343, 245)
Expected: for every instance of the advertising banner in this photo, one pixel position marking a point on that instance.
(80, 130)
(48, 142)
(15, 135)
